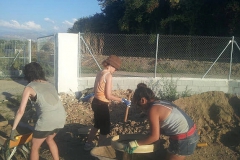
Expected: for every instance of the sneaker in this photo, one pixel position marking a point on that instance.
(88, 146)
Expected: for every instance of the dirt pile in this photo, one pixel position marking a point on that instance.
(216, 115)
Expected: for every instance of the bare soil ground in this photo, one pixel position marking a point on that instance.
(216, 114)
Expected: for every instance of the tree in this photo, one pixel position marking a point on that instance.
(113, 12)
(179, 17)
(137, 16)
(233, 15)
(95, 24)
(198, 17)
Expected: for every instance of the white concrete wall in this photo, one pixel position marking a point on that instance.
(195, 85)
(66, 62)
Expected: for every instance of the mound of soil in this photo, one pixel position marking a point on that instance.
(216, 115)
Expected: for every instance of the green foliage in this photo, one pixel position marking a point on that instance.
(48, 69)
(172, 17)
(167, 89)
(17, 65)
(186, 92)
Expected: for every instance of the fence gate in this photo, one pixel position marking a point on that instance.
(45, 55)
(14, 55)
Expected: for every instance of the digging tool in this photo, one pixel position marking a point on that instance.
(125, 117)
(126, 112)
(127, 109)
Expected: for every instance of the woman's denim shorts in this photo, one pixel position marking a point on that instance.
(185, 146)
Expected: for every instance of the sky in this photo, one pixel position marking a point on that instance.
(31, 18)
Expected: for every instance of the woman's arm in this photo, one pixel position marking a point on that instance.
(27, 92)
(108, 89)
(154, 127)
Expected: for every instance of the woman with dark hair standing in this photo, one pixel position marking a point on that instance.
(168, 119)
(50, 111)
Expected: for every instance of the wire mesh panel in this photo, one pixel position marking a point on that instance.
(187, 56)
(14, 54)
(132, 49)
(167, 55)
(45, 55)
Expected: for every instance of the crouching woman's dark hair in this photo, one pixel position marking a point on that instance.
(33, 71)
(143, 91)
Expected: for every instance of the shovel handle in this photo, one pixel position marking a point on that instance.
(126, 114)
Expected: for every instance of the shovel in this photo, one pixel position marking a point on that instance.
(127, 109)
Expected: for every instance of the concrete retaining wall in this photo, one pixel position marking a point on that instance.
(194, 85)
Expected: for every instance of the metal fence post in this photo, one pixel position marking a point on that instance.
(29, 50)
(230, 67)
(155, 74)
(55, 60)
(79, 56)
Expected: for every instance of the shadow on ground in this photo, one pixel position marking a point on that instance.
(70, 144)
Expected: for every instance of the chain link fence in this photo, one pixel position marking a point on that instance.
(14, 55)
(162, 55)
(142, 55)
(45, 55)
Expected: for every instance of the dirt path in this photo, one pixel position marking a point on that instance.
(11, 87)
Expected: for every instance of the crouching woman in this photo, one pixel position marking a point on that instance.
(168, 119)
